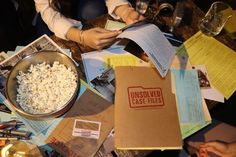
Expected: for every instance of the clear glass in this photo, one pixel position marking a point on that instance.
(141, 6)
(16, 149)
(215, 18)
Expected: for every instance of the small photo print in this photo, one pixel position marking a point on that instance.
(105, 84)
(204, 81)
(86, 129)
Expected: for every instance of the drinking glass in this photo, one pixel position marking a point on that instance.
(15, 149)
(141, 6)
(215, 18)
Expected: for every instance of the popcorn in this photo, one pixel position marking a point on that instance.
(45, 89)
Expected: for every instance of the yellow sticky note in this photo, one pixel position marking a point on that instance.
(123, 60)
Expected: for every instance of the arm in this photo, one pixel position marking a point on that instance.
(70, 29)
(56, 22)
(99, 38)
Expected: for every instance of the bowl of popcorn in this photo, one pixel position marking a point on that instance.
(44, 84)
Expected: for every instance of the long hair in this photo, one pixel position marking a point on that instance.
(63, 6)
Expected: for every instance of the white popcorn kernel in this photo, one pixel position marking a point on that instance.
(45, 89)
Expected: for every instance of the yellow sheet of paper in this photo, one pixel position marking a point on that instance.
(123, 60)
(219, 60)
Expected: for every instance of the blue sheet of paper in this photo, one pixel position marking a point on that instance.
(188, 95)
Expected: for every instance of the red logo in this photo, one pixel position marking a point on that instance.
(140, 97)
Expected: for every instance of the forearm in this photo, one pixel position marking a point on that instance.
(56, 22)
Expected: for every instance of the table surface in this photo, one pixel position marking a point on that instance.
(187, 28)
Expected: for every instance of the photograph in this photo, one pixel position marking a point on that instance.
(105, 84)
(202, 76)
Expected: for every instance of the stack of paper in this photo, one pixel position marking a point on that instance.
(218, 59)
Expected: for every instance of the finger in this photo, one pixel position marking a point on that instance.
(107, 44)
(135, 17)
(132, 17)
(101, 47)
(219, 145)
(201, 154)
(202, 145)
(101, 30)
(211, 143)
(108, 35)
(198, 154)
(108, 40)
(215, 151)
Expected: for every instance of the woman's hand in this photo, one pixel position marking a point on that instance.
(128, 14)
(98, 38)
(218, 148)
(132, 16)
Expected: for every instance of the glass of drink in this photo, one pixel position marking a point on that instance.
(215, 18)
(141, 6)
(15, 149)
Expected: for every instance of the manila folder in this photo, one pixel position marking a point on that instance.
(145, 110)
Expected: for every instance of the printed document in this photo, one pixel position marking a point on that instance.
(218, 59)
(188, 96)
(154, 43)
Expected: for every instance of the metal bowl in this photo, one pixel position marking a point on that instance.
(23, 65)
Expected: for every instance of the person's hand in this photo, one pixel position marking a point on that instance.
(128, 14)
(132, 16)
(218, 148)
(98, 38)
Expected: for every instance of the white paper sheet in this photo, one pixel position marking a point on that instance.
(153, 42)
